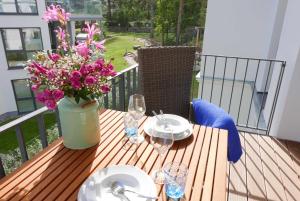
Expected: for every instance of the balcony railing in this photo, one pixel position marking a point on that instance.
(247, 88)
(241, 86)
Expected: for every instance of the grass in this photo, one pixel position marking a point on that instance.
(118, 44)
(30, 130)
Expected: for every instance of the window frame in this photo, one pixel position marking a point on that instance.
(19, 13)
(32, 98)
(23, 45)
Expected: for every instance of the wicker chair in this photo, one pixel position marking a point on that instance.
(165, 78)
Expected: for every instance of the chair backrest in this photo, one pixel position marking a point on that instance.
(165, 78)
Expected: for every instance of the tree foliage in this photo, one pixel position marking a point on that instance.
(125, 13)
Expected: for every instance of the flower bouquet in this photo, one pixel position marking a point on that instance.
(74, 71)
(76, 76)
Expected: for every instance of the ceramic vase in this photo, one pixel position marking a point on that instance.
(79, 123)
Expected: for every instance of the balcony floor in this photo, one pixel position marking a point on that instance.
(268, 170)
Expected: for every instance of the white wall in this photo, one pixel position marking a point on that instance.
(242, 29)
(7, 100)
(286, 122)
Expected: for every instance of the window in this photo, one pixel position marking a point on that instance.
(20, 45)
(27, 7)
(24, 97)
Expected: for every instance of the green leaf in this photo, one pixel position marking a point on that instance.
(77, 98)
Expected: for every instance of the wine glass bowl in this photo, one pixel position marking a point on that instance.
(162, 142)
(137, 106)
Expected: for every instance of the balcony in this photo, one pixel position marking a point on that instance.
(81, 10)
(269, 167)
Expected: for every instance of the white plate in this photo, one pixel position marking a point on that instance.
(180, 126)
(97, 186)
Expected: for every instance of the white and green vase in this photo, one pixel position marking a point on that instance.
(79, 123)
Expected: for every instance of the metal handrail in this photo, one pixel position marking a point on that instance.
(22, 119)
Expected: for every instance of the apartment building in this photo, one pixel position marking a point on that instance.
(23, 32)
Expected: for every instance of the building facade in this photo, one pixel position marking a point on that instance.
(23, 32)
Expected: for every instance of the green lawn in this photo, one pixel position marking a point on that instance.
(30, 130)
(118, 44)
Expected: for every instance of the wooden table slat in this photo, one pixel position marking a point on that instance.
(201, 168)
(221, 162)
(57, 172)
(200, 133)
(211, 167)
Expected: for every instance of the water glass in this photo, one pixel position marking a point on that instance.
(137, 108)
(130, 125)
(175, 179)
(131, 129)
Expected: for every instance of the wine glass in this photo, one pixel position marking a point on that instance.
(137, 108)
(162, 140)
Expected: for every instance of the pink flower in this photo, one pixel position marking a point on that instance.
(107, 72)
(62, 38)
(41, 97)
(110, 66)
(91, 30)
(54, 57)
(39, 67)
(90, 80)
(51, 104)
(55, 13)
(57, 94)
(105, 89)
(51, 74)
(99, 45)
(76, 84)
(35, 87)
(84, 70)
(82, 50)
(99, 64)
(51, 14)
(47, 94)
(76, 75)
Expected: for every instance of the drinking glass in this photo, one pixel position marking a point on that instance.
(161, 140)
(137, 108)
(175, 179)
(131, 129)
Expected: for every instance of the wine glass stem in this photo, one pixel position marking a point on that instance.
(160, 163)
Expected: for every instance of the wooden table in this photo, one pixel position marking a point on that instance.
(56, 173)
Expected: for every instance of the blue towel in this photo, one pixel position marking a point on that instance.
(208, 114)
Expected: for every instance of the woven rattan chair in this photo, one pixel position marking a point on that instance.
(165, 78)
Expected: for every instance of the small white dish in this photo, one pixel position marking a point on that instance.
(180, 126)
(97, 186)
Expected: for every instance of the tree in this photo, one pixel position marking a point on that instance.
(152, 5)
(180, 12)
(109, 11)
